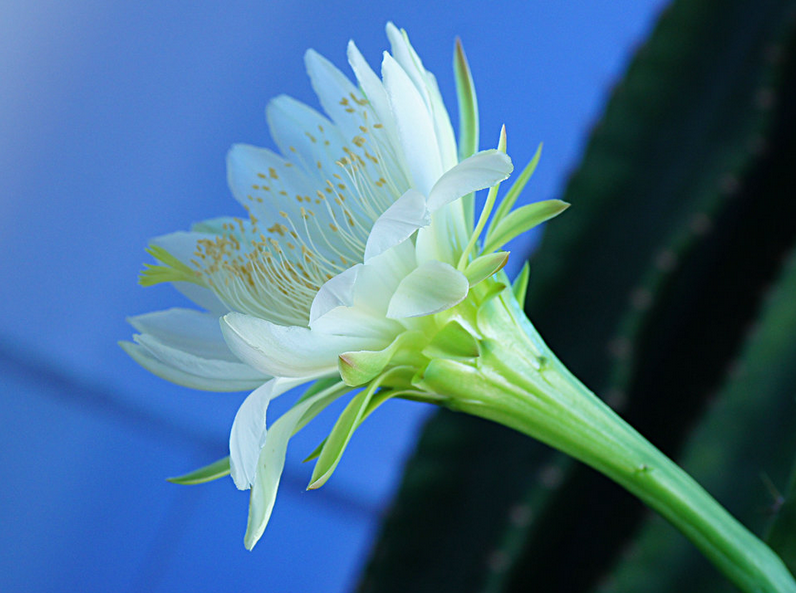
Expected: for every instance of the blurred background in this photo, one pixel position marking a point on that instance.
(115, 118)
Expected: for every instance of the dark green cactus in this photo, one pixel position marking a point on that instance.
(683, 211)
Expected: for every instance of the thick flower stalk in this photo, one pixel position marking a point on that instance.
(360, 266)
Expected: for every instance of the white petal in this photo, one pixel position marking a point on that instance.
(301, 133)
(449, 153)
(374, 285)
(426, 85)
(272, 461)
(357, 322)
(373, 89)
(189, 330)
(337, 292)
(334, 91)
(431, 288)
(444, 239)
(482, 170)
(415, 128)
(407, 214)
(222, 369)
(233, 381)
(249, 431)
(406, 58)
(288, 351)
(379, 278)
(256, 176)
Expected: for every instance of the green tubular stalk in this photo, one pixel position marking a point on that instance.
(519, 383)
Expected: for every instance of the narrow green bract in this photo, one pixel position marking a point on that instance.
(208, 473)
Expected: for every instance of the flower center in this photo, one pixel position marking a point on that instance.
(321, 202)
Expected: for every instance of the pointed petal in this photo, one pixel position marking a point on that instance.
(210, 379)
(414, 124)
(189, 330)
(248, 433)
(257, 176)
(448, 233)
(288, 351)
(431, 288)
(407, 214)
(373, 88)
(335, 92)
(271, 462)
(301, 133)
(449, 154)
(200, 365)
(426, 85)
(405, 56)
(482, 170)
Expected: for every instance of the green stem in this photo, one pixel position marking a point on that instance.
(519, 383)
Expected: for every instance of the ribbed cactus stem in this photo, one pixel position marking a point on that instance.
(519, 383)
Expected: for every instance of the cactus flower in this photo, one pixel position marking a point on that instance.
(355, 243)
(360, 266)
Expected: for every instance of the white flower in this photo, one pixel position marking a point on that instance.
(355, 234)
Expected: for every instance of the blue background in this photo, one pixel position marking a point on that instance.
(115, 118)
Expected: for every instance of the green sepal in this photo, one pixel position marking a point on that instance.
(468, 104)
(508, 201)
(468, 120)
(217, 469)
(360, 367)
(441, 373)
(374, 403)
(522, 219)
(483, 267)
(173, 269)
(453, 341)
(338, 439)
(489, 203)
(520, 285)
(316, 451)
(494, 290)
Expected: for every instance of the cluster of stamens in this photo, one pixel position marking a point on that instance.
(274, 272)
